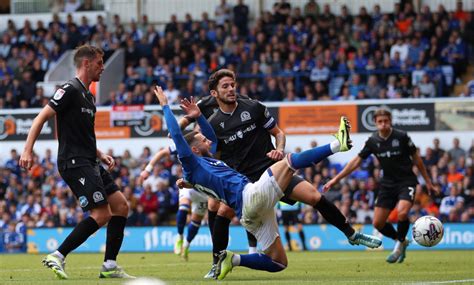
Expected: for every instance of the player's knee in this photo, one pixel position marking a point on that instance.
(378, 224)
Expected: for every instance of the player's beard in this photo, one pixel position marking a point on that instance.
(226, 100)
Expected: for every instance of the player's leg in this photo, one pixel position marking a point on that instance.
(406, 196)
(181, 217)
(88, 188)
(220, 237)
(265, 228)
(299, 226)
(115, 228)
(199, 208)
(212, 208)
(286, 228)
(307, 193)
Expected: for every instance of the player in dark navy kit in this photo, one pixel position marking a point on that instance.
(74, 108)
(253, 203)
(396, 153)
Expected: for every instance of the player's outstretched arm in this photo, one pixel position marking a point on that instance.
(181, 145)
(157, 157)
(280, 141)
(348, 169)
(26, 158)
(192, 110)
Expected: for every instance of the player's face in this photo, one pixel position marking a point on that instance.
(383, 123)
(96, 67)
(203, 145)
(226, 90)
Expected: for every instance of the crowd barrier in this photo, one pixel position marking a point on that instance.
(161, 239)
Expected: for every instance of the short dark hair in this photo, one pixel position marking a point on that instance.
(218, 75)
(382, 112)
(190, 137)
(86, 51)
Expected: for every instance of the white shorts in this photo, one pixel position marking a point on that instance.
(198, 200)
(258, 209)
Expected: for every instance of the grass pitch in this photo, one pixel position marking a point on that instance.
(369, 267)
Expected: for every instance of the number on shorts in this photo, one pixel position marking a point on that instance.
(411, 192)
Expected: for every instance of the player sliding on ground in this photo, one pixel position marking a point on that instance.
(253, 203)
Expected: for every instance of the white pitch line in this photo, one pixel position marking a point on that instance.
(443, 282)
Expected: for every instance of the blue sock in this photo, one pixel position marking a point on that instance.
(193, 229)
(181, 218)
(309, 157)
(260, 261)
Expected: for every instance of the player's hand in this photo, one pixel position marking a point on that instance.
(276, 155)
(26, 160)
(329, 185)
(144, 175)
(190, 108)
(160, 95)
(108, 160)
(181, 183)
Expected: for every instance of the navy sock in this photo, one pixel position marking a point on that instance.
(288, 239)
(402, 229)
(260, 261)
(211, 217)
(114, 237)
(78, 236)
(389, 231)
(220, 238)
(309, 157)
(303, 240)
(181, 217)
(332, 214)
(193, 229)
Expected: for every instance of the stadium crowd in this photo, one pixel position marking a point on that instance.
(40, 198)
(287, 54)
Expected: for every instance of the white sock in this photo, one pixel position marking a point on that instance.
(252, 249)
(236, 260)
(110, 263)
(335, 146)
(58, 254)
(185, 243)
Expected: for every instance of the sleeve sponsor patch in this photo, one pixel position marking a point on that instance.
(59, 94)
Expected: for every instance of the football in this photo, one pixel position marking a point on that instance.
(428, 231)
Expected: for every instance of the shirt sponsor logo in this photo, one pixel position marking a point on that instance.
(240, 134)
(83, 202)
(245, 116)
(59, 94)
(97, 196)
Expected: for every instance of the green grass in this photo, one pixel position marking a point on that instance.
(428, 267)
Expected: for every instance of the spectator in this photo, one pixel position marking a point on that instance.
(427, 88)
(456, 152)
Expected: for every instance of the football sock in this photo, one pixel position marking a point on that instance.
(110, 264)
(402, 230)
(181, 217)
(252, 249)
(389, 231)
(332, 214)
(252, 239)
(288, 239)
(220, 238)
(79, 235)
(257, 261)
(303, 240)
(211, 217)
(114, 240)
(193, 229)
(309, 157)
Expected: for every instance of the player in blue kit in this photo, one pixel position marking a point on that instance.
(253, 203)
